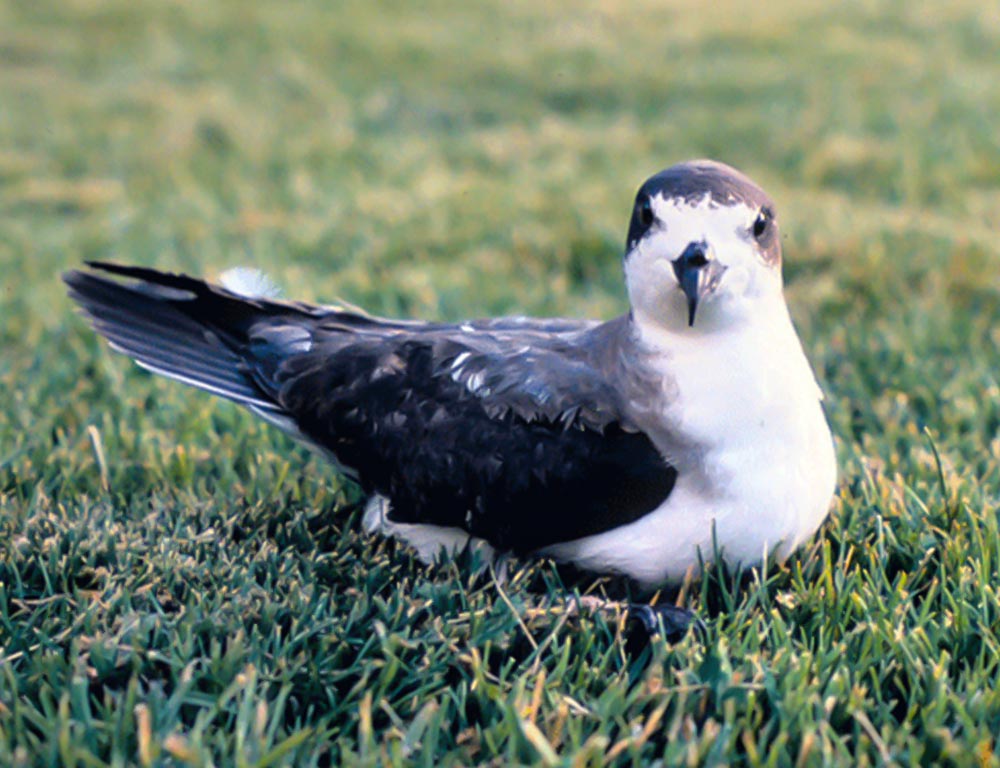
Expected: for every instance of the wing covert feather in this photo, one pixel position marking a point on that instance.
(517, 440)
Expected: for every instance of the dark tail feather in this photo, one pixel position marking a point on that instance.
(176, 326)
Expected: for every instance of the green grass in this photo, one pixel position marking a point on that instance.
(181, 585)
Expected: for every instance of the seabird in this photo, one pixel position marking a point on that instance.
(687, 429)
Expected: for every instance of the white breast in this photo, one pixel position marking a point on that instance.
(755, 460)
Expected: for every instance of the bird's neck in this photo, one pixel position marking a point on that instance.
(714, 383)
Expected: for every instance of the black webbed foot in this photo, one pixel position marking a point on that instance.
(669, 621)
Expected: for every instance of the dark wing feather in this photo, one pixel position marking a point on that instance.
(173, 326)
(524, 448)
(506, 428)
(537, 384)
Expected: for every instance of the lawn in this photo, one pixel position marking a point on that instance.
(182, 585)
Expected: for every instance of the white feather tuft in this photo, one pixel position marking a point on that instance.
(250, 283)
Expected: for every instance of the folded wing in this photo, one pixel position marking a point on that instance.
(507, 428)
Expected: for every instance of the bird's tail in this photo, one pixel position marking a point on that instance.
(179, 326)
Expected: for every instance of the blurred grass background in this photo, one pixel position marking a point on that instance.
(180, 585)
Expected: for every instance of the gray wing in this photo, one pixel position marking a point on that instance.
(511, 429)
(535, 371)
(517, 436)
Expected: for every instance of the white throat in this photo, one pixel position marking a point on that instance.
(732, 383)
(739, 416)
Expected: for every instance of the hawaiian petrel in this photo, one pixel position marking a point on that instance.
(640, 446)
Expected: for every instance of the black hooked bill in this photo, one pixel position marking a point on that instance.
(697, 274)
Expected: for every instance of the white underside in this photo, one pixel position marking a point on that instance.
(756, 468)
(431, 543)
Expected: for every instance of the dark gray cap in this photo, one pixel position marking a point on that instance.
(689, 183)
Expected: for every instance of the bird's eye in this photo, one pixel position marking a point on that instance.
(645, 212)
(762, 223)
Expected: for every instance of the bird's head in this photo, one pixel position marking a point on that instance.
(703, 250)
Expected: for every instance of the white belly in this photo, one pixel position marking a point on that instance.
(430, 543)
(742, 424)
(756, 464)
(771, 500)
